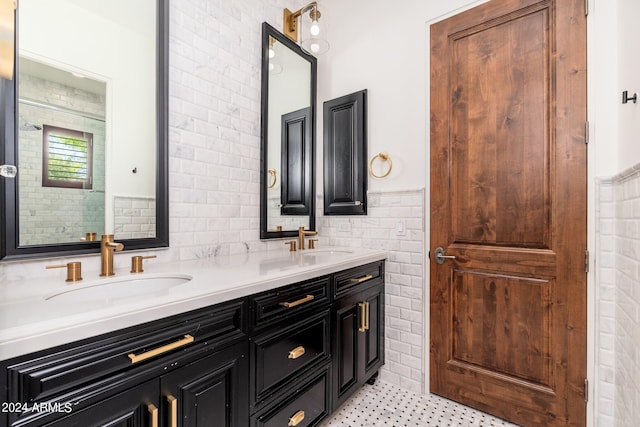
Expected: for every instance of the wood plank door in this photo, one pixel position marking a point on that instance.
(508, 201)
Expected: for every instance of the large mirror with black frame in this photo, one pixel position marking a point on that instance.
(85, 121)
(287, 173)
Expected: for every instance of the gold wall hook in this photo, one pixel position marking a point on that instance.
(383, 156)
(74, 270)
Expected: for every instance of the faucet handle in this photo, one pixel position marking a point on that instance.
(292, 245)
(74, 270)
(136, 263)
(312, 243)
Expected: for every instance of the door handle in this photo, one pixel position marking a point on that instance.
(441, 257)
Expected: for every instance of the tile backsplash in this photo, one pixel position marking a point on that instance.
(618, 299)
(394, 223)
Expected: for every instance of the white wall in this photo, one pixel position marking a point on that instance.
(382, 46)
(628, 71)
(614, 61)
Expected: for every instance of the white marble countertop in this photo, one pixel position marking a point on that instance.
(30, 322)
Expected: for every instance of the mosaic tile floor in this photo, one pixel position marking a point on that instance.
(383, 404)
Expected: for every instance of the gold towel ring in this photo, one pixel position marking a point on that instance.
(384, 157)
(272, 179)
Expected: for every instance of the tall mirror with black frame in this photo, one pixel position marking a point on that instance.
(287, 177)
(85, 122)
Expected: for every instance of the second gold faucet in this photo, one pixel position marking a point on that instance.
(107, 248)
(301, 236)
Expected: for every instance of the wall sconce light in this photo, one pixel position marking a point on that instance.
(309, 39)
(7, 37)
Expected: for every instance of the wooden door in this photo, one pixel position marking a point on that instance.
(508, 200)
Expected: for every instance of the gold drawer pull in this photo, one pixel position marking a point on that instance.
(298, 302)
(153, 412)
(296, 352)
(135, 358)
(173, 411)
(362, 279)
(296, 419)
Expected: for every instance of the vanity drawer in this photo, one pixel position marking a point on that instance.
(307, 407)
(355, 278)
(278, 357)
(45, 374)
(282, 303)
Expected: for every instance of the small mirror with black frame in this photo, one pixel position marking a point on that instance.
(287, 172)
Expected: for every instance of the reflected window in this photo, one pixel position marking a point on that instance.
(67, 158)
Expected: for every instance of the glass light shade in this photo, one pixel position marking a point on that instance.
(275, 68)
(315, 45)
(314, 29)
(272, 53)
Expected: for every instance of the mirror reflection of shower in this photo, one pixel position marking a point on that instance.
(29, 127)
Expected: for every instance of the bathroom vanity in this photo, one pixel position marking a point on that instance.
(269, 341)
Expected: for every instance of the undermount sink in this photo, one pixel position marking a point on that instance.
(110, 291)
(327, 252)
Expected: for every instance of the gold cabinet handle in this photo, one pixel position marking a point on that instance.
(362, 279)
(363, 313)
(296, 419)
(135, 358)
(296, 352)
(298, 302)
(173, 411)
(366, 315)
(153, 413)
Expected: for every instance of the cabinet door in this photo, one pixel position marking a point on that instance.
(212, 391)
(135, 407)
(358, 341)
(345, 155)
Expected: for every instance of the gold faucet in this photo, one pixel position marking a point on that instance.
(107, 248)
(302, 234)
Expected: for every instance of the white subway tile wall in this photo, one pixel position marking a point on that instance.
(394, 223)
(214, 110)
(134, 217)
(618, 299)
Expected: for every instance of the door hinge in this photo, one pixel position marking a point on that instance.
(586, 390)
(586, 261)
(586, 7)
(586, 132)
